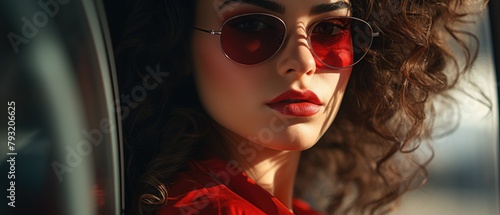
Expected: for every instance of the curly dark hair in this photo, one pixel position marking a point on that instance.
(365, 161)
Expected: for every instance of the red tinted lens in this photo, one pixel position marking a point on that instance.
(252, 38)
(340, 42)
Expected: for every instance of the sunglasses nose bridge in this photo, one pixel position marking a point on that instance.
(300, 35)
(296, 54)
(301, 32)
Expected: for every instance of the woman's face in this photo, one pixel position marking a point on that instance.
(284, 103)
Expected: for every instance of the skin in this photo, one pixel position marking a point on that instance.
(264, 142)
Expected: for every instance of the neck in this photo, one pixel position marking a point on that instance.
(273, 170)
(275, 173)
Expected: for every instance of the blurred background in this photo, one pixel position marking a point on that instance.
(55, 65)
(463, 176)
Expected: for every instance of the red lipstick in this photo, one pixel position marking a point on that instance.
(295, 103)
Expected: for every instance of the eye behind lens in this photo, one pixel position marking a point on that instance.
(251, 39)
(340, 42)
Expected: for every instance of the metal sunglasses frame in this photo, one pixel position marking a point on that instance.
(219, 32)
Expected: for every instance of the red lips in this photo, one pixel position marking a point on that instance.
(295, 103)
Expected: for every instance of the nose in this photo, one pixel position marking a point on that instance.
(296, 58)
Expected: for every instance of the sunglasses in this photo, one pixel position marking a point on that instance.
(337, 42)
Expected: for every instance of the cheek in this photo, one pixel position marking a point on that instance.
(222, 85)
(209, 63)
(212, 69)
(335, 85)
(220, 79)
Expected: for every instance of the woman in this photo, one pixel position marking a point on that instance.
(246, 118)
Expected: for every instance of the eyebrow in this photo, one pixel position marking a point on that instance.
(278, 8)
(266, 4)
(324, 8)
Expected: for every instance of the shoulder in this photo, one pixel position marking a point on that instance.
(210, 206)
(196, 192)
(213, 199)
(301, 207)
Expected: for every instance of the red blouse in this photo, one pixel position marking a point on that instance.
(219, 187)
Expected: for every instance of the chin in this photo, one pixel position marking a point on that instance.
(289, 144)
(296, 137)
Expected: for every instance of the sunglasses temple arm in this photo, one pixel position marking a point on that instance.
(213, 32)
(376, 29)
